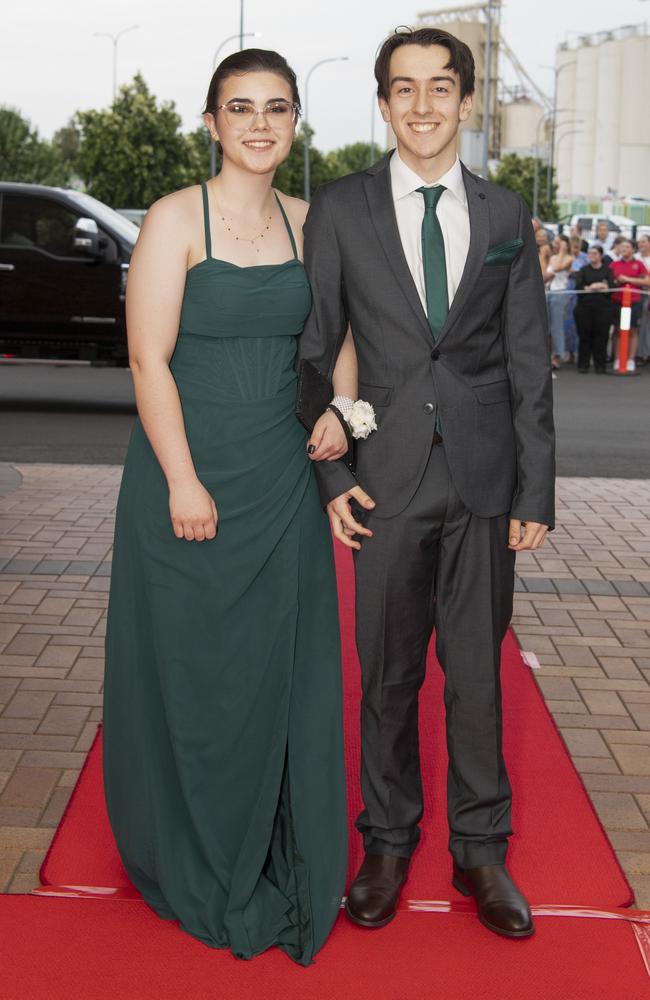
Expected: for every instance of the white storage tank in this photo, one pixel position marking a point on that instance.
(610, 152)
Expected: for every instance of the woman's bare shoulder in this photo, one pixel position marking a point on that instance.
(176, 209)
(295, 208)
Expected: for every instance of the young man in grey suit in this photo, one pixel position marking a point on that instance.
(436, 272)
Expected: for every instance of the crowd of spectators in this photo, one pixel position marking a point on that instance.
(583, 326)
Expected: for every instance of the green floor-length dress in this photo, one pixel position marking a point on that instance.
(223, 759)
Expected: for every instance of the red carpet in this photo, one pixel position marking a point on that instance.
(559, 853)
(110, 950)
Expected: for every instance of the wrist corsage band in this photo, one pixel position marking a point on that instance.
(358, 415)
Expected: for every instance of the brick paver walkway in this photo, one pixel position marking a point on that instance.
(582, 615)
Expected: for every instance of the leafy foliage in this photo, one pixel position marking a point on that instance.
(24, 156)
(352, 158)
(517, 173)
(132, 153)
(290, 175)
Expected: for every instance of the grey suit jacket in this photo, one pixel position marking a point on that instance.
(487, 375)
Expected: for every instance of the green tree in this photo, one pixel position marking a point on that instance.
(198, 145)
(290, 175)
(66, 141)
(350, 159)
(323, 167)
(517, 173)
(134, 152)
(24, 156)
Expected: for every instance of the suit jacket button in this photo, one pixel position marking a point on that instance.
(429, 407)
(435, 354)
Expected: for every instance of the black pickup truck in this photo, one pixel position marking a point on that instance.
(64, 259)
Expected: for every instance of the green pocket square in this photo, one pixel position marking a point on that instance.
(504, 253)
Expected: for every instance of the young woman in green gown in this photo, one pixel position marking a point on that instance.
(223, 762)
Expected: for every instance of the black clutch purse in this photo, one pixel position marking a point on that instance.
(315, 393)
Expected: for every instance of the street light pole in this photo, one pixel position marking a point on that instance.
(231, 38)
(565, 135)
(544, 118)
(241, 24)
(306, 143)
(487, 86)
(554, 111)
(115, 39)
(373, 115)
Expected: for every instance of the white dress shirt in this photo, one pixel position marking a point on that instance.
(452, 213)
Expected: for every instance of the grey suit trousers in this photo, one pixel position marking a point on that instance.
(434, 565)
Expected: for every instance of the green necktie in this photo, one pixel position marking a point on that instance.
(433, 259)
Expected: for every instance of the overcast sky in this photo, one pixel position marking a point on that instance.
(51, 65)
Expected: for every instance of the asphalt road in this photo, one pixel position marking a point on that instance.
(79, 414)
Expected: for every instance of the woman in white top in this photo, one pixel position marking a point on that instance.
(557, 279)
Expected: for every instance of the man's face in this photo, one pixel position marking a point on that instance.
(626, 250)
(602, 230)
(644, 246)
(424, 106)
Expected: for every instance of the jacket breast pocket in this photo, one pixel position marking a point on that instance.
(504, 253)
(493, 392)
(378, 395)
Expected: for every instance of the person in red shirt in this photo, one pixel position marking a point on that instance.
(628, 270)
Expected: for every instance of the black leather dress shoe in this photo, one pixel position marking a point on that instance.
(501, 906)
(374, 894)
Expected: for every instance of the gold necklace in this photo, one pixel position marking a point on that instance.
(247, 239)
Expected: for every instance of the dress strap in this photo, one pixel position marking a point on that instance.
(206, 220)
(289, 229)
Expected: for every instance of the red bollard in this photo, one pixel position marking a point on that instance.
(624, 330)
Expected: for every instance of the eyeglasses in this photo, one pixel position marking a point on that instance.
(242, 114)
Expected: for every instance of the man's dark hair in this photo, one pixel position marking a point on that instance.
(597, 246)
(460, 59)
(250, 61)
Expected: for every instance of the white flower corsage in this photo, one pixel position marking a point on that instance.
(358, 415)
(361, 419)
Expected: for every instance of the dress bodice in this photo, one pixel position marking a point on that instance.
(238, 327)
(224, 300)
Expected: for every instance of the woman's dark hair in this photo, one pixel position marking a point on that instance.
(250, 61)
(460, 59)
(597, 246)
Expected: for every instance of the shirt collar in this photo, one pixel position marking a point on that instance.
(405, 181)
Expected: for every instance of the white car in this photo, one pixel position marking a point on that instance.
(615, 223)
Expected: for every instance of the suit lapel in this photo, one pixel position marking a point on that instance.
(479, 241)
(382, 213)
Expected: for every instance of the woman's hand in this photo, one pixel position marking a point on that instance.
(193, 511)
(328, 440)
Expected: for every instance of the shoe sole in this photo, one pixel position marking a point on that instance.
(369, 925)
(486, 923)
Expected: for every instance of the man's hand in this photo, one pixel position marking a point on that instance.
(533, 536)
(328, 440)
(341, 520)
